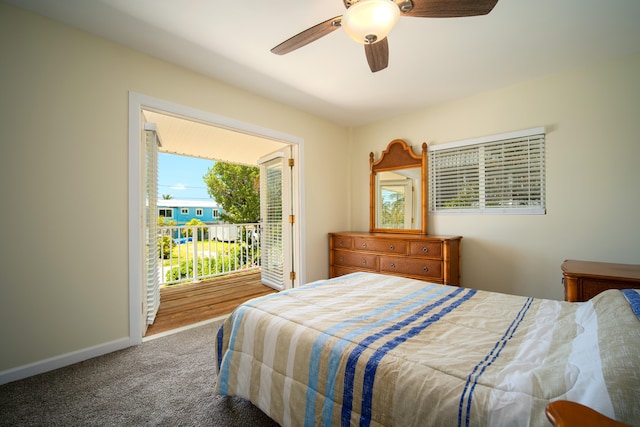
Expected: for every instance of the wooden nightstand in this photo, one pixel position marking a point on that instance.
(585, 279)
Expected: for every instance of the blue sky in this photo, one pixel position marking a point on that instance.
(181, 177)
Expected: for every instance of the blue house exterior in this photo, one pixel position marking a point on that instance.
(183, 211)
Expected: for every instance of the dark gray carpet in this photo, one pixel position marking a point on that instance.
(167, 381)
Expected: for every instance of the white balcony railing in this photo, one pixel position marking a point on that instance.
(194, 253)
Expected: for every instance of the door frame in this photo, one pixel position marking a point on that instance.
(139, 102)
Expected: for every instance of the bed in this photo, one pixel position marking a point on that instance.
(377, 350)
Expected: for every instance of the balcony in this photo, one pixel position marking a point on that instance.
(190, 254)
(223, 260)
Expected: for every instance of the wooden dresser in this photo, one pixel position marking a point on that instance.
(418, 256)
(585, 279)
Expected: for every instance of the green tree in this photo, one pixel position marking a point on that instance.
(162, 221)
(165, 243)
(167, 197)
(237, 189)
(193, 222)
(393, 213)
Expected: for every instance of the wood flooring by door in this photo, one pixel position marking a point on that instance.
(183, 305)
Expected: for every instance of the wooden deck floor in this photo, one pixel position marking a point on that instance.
(183, 305)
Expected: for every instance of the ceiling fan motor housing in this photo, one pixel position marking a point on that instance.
(369, 21)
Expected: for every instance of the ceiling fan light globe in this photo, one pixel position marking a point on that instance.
(369, 21)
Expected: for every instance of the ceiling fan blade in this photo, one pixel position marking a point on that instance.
(450, 8)
(377, 55)
(307, 36)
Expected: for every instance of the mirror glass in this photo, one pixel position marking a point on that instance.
(398, 199)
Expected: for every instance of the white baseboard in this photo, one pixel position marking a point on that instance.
(47, 365)
(184, 328)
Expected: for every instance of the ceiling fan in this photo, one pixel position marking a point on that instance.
(369, 22)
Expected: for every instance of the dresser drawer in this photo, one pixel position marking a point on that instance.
(426, 249)
(412, 266)
(592, 287)
(355, 259)
(341, 242)
(380, 245)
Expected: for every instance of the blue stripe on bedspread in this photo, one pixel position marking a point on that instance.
(633, 296)
(372, 364)
(479, 369)
(219, 343)
(340, 345)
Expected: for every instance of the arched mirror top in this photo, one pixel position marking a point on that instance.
(398, 190)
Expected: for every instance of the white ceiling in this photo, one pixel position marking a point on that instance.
(431, 61)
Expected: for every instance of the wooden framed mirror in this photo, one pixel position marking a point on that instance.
(398, 190)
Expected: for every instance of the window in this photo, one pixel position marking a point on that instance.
(495, 174)
(214, 213)
(184, 211)
(166, 213)
(199, 211)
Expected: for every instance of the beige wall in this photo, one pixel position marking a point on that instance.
(64, 179)
(593, 200)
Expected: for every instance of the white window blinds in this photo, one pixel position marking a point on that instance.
(272, 221)
(497, 174)
(152, 300)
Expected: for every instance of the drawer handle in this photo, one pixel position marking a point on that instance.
(425, 268)
(341, 243)
(341, 259)
(364, 261)
(392, 265)
(425, 250)
(392, 247)
(364, 246)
